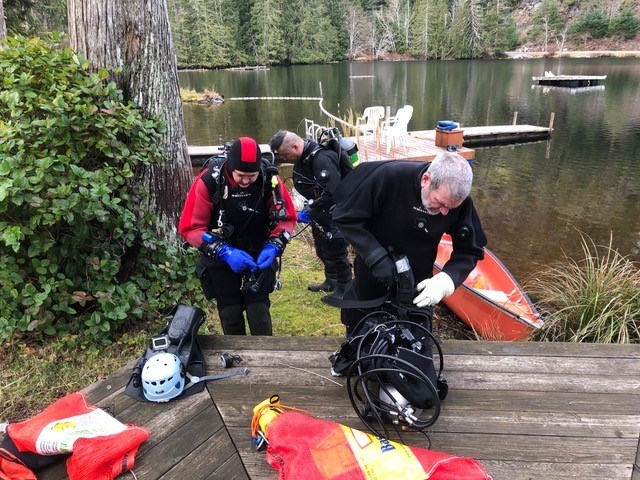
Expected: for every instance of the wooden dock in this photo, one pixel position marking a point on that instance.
(570, 80)
(525, 410)
(418, 148)
(493, 135)
(420, 145)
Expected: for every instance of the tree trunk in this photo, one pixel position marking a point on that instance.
(3, 24)
(134, 35)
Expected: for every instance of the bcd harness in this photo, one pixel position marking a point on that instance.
(177, 339)
(218, 187)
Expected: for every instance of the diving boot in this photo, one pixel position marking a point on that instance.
(328, 285)
(338, 293)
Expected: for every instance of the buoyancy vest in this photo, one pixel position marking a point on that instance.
(101, 447)
(178, 338)
(245, 210)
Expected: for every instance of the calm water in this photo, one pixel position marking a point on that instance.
(533, 198)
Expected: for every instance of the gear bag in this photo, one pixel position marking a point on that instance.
(96, 445)
(177, 342)
(179, 339)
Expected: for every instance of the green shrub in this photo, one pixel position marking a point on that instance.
(593, 23)
(626, 25)
(596, 299)
(76, 252)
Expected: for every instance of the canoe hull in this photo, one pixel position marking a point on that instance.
(490, 300)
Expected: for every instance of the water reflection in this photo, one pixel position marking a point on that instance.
(533, 198)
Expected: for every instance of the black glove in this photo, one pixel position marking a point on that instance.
(384, 271)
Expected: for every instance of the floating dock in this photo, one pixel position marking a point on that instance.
(570, 80)
(571, 90)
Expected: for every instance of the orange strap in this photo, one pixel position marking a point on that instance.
(273, 404)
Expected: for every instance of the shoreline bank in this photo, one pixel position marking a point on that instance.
(575, 54)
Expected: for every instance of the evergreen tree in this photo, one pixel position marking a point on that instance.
(267, 17)
(318, 39)
(626, 25)
(16, 14)
(466, 30)
(338, 11)
(429, 29)
(500, 31)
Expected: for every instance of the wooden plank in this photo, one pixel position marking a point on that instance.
(470, 421)
(254, 461)
(280, 375)
(204, 459)
(453, 362)
(221, 343)
(487, 400)
(542, 470)
(160, 419)
(418, 148)
(532, 455)
(525, 410)
(232, 469)
(174, 445)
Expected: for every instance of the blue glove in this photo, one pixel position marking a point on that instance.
(303, 216)
(237, 259)
(267, 256)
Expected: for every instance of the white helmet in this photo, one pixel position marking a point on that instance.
(162, 377)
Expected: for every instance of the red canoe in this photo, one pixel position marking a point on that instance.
(490, 300)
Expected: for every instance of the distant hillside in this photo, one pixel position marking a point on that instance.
(571, 15)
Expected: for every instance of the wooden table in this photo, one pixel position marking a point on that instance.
(525, 410)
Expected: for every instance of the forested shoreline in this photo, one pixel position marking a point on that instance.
(227, 33)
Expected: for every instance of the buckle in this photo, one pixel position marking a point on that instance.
(161, 342)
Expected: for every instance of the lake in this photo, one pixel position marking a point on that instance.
(533, 198)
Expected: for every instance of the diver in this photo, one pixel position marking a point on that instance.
(407, 207)
(316, 174)
(240, 216)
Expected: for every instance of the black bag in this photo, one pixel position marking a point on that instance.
(179, 337)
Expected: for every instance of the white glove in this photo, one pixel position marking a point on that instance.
(433, 289)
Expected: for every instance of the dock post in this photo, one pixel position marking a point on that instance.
(553, 116)
(515, 118)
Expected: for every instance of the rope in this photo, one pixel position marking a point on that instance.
(276, 98)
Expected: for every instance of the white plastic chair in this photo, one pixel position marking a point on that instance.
(370, 121)
(312, 129)
(395, 128)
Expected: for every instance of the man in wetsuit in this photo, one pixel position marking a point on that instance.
(249, 216)
(316, 174)
(407, 207)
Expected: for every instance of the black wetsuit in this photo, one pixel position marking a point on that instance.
(316, 176)
(379, 206)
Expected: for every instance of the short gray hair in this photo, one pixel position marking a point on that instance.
(454, 172)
